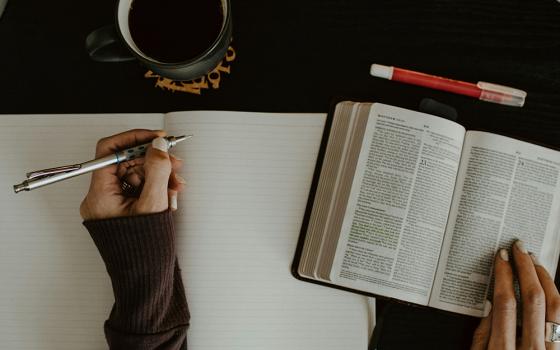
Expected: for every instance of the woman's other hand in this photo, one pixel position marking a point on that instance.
(540, 303)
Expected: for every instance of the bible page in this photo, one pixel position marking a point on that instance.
(399, 202)
(248, 178)
(55, 292)
(506, 190)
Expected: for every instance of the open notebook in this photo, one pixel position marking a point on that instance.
(248, 178)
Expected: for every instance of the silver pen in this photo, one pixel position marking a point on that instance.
(40, 178)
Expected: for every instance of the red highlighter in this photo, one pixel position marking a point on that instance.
(483, 91)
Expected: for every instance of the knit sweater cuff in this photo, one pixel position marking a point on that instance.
(139, 254)
(139, 243)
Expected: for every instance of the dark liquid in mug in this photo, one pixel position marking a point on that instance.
(174, 31)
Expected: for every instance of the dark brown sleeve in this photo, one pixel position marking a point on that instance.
(150, 310)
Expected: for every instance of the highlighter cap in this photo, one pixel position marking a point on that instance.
(504, 95)
(381, 71)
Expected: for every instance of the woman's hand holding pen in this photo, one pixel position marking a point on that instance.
(540, 303)
(155, 176)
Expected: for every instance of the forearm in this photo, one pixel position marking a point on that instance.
(150, 310)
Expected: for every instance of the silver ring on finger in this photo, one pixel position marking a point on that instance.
(551, 332)
(129, 190)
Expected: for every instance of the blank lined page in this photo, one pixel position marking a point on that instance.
(55, 292)
(248, 178)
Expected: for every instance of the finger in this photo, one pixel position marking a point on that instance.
(176, 182)
(172, 199)
(552, 298)
(124, 167)
(157, 168)
(177, 163)
(108, 145)
(532, 298)
(503, 305)
(131, 173)
(481, 335)
(135, 176)
(136, 166)
(111, 144)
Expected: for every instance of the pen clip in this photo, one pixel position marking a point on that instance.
(37, 174)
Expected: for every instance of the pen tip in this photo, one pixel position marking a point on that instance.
(183, 137)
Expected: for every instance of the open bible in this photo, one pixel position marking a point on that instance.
(411, 206)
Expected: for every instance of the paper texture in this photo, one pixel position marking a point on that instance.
(55, 292)
(248, 177)
(398, 205)
(506, 190)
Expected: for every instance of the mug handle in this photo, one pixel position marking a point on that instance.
(104, 45)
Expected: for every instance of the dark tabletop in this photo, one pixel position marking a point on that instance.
(298, 56)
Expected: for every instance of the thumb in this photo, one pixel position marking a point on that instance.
(157, 169)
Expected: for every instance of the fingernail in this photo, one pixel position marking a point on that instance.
(173, 201)
(504, 255)
(519, 244)
(180, 179)
(160, 143)
(487, 307)
(535, 259)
